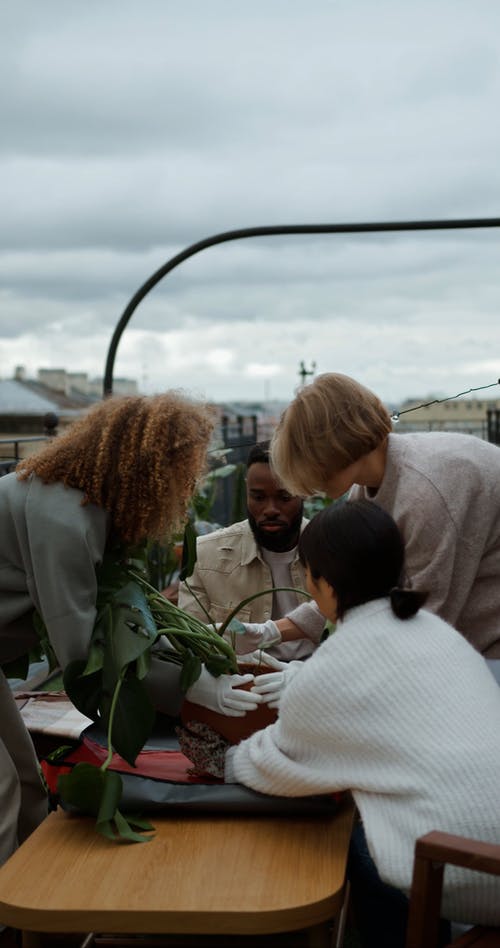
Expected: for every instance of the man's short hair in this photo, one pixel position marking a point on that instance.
(258, 454)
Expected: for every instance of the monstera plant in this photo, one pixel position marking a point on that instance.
(133, 619)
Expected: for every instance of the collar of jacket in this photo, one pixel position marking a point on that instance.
(249, 547)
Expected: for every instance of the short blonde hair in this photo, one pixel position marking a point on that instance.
(331, 423)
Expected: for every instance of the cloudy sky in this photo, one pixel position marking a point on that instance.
(133, 128)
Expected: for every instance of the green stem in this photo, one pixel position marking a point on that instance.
(163, 606)
(263, 592)
(202, 607)
(116, 692)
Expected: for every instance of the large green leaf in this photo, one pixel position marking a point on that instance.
(133, 720)
(132, 595)
(125, 831)
(111, 574)
(142, 665)
(224, 471)
(97, 792)
(191, 671)
(111, 795)
(100, 635)
(84, 690)
(219, 665)
(128, 637)
(91, 790)
(188, 552)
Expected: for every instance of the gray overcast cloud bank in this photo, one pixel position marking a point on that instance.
(131, 130)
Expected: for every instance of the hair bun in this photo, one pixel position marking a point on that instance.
(406, 602)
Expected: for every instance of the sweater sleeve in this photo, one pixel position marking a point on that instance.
(272, 761)
(309, 619)
(309, 749)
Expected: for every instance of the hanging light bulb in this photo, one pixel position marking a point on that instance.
(395, 417)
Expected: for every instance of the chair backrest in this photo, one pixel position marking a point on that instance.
(432, 853)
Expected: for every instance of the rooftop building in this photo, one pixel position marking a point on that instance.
(467, 415)
(32, 409)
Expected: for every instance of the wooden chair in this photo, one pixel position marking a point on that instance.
(432, 853)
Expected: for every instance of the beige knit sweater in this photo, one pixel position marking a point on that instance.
(443, 491)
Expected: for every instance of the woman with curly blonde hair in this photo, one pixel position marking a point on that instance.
(137, 458)
(124, 472)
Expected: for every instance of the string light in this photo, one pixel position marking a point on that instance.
(397, 414)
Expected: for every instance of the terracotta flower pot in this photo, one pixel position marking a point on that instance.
(233, 729)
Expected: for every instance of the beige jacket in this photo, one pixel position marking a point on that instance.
(230, 568)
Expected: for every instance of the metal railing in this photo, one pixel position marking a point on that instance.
(273, 231)
(9, 461)
(494, 425)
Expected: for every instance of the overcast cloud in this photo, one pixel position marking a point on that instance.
(133, 129)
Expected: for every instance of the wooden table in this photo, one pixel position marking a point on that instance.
(200, 875)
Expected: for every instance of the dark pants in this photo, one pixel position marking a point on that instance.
(380, 910)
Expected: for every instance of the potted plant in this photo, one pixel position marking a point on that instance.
(132, 616)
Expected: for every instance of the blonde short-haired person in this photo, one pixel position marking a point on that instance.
(442, 489)
(395, 706)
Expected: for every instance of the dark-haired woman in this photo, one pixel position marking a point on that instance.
(396, 706)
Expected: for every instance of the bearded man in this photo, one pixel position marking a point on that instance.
(254, 555)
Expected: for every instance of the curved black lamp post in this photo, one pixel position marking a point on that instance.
(272, 231)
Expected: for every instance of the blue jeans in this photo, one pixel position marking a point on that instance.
(380, 910)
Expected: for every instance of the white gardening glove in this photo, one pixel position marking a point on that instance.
(260, 659)
(272, 686)
(248, 636)
(222, 694)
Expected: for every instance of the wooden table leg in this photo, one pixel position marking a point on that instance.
(42, 940)
(31, 940)
(320, 936)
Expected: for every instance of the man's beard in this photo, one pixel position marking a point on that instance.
(281, 541)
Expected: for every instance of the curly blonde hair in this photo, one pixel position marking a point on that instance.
(137, 457)
(330, 424)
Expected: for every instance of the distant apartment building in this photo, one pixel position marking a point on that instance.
(59, 380)
(468, 415)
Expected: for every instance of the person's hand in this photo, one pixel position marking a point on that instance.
(204, 747)
(224, 694)
(248, 636)
(271, 687)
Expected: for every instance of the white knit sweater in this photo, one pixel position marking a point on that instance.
(407, 715)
